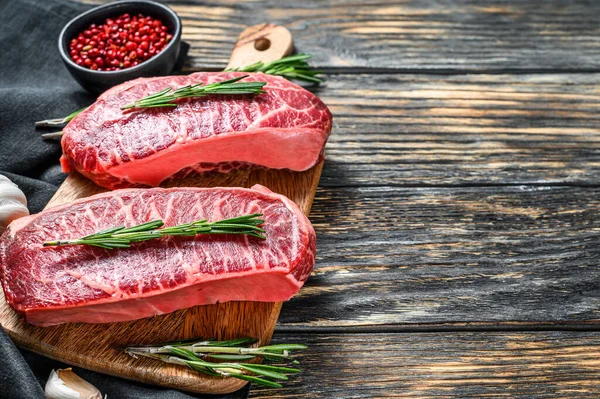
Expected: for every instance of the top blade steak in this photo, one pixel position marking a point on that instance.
(54, 285)
(285, 128)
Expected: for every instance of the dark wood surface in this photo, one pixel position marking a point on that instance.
(452, 254)
(409, 35)
(462, 129)
(442, 366)
(457, 214)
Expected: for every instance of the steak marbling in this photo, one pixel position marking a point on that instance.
(284, 128)
(54, 285)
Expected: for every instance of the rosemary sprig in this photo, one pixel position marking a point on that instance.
(292, 67)
(167, 97)
(199, 354)
(123, 237)
(60, 121)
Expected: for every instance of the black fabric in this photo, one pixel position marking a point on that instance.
(35, 85)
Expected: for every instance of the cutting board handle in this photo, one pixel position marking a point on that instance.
(265, 42)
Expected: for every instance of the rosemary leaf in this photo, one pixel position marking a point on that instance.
(186, 354)
(230, 357)
(265, 373)
(105, 233)
(260, 381)
(282, 347)
(277, 368)
(154, 224)
(232, 342)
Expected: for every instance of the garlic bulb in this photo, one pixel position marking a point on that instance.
(65, 384)
(13, 203)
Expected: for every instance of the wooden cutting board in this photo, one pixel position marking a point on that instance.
(92, 346)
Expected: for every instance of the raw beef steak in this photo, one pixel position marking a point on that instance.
(54, 285)
(285, 128)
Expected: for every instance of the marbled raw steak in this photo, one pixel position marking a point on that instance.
(285, 128)
(54, 285)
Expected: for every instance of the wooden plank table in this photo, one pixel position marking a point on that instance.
(457, 215)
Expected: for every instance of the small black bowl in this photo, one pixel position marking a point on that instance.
(159, 65)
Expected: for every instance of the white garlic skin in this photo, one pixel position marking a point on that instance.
(13, 203)
(65, 384)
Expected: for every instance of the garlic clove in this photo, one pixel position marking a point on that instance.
(12, 190)
(65, 384)
(13, 203)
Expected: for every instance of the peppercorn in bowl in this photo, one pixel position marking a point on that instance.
(120, 41)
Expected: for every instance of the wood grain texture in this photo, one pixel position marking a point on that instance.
(430, 35)
(93, 346)
(444, 366)
(393, 255)
(428, 130)
(392, 251)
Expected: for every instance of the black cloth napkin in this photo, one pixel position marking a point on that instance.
(35, 85)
